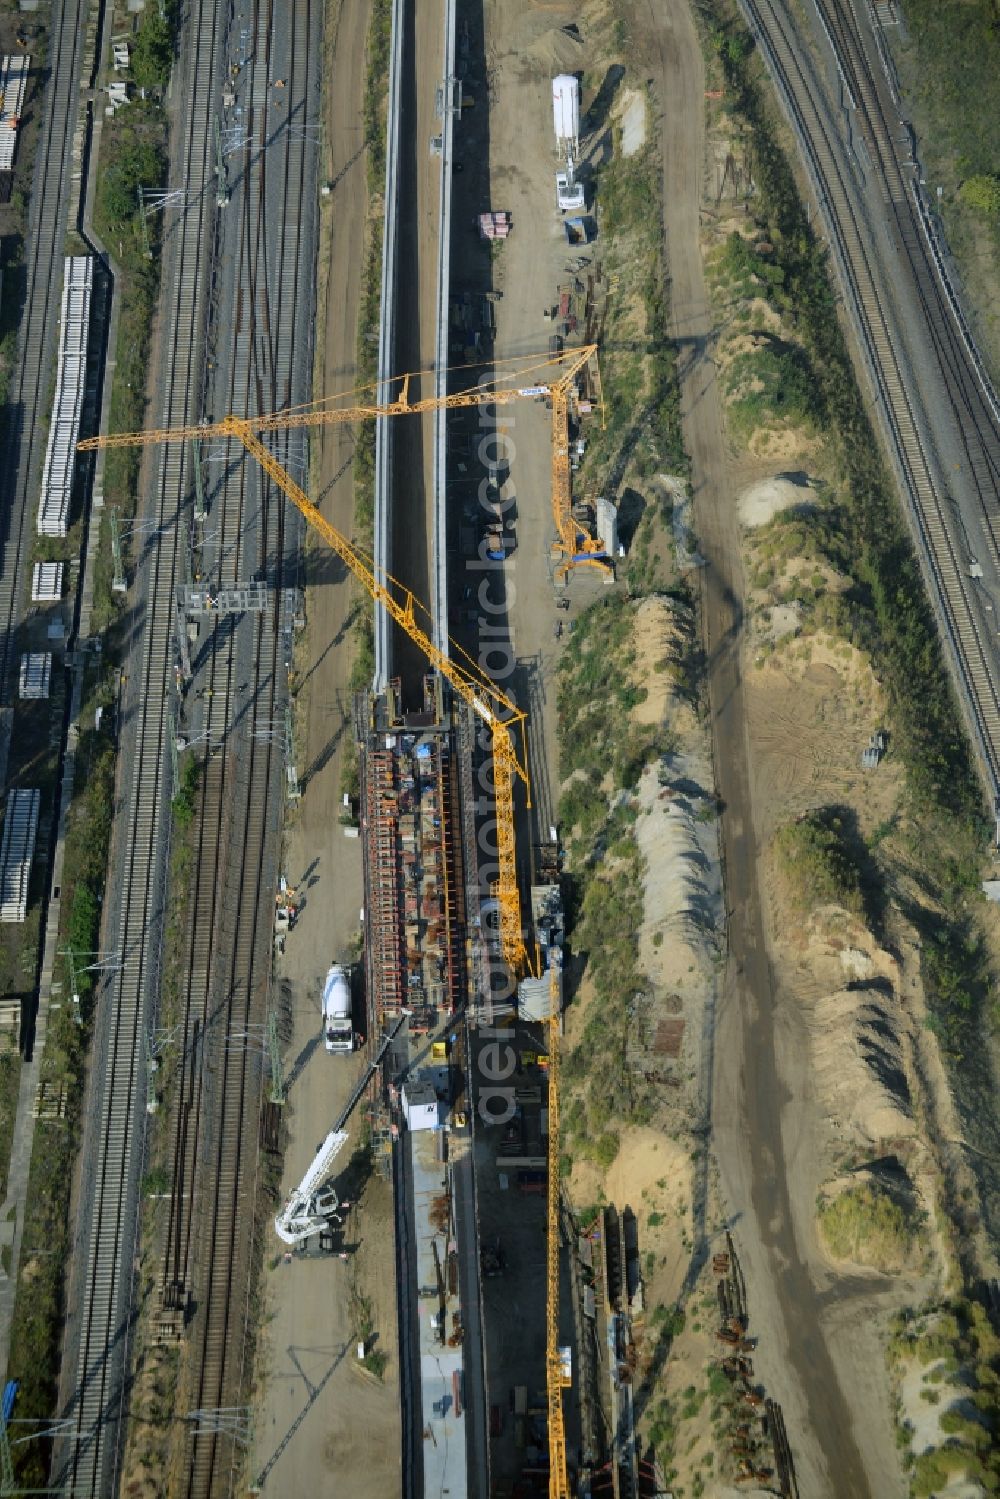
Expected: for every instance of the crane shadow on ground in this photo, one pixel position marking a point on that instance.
(299, 1065)
(314, 1392)
(325, 755)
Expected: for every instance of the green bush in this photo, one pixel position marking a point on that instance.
(769, 383)
(153, 48)
(670, 1320)
(133, 156)
(87, 839)
(185, 799)
(156, 1182)
(982, 193)
(606, 1149)
(864, 1225)
(814, 858)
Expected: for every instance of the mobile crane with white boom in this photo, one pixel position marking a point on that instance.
(314, 1202)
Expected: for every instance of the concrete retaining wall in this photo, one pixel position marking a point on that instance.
(387, 350)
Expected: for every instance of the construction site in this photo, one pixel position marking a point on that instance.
(506, 1311)
(447, 942)
(418, 971)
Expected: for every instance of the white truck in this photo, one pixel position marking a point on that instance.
(314, 1203)
(338, 1025)
(570, 194)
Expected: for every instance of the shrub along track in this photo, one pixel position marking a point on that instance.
(968, 649)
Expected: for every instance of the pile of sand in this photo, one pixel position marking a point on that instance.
(558, 49)
(663, 633)
(682, 892)
(853, 1016)
(685, 553)
(762, 501)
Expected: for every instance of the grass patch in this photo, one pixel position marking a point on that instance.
(768, 384)
(376, 93)
(602, 756)
(638, 363)
(10, 1080)
(865, 1225)
(185, 800)
(88, 837)
(133, 158)
(597, 744)
(597, 737)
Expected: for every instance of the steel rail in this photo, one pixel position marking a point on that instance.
(949, 587)
(108, 1216)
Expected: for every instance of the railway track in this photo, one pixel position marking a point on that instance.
(26, 429)
(23, 434)
(965, 384)
(968, 647)
(219, 1089)
(103, 1291)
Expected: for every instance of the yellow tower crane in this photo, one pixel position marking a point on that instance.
(553, 378)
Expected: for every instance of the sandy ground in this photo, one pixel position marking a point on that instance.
(317, 1415)
(821, 1355)
(762, 501)
(522, 50)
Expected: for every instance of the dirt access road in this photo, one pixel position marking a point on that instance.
(317, 1416)
(757, 1076)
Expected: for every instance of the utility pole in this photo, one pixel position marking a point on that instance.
(119, 533)
(183, 647)
(105, 963)
(143, 225)
(224, 1420)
